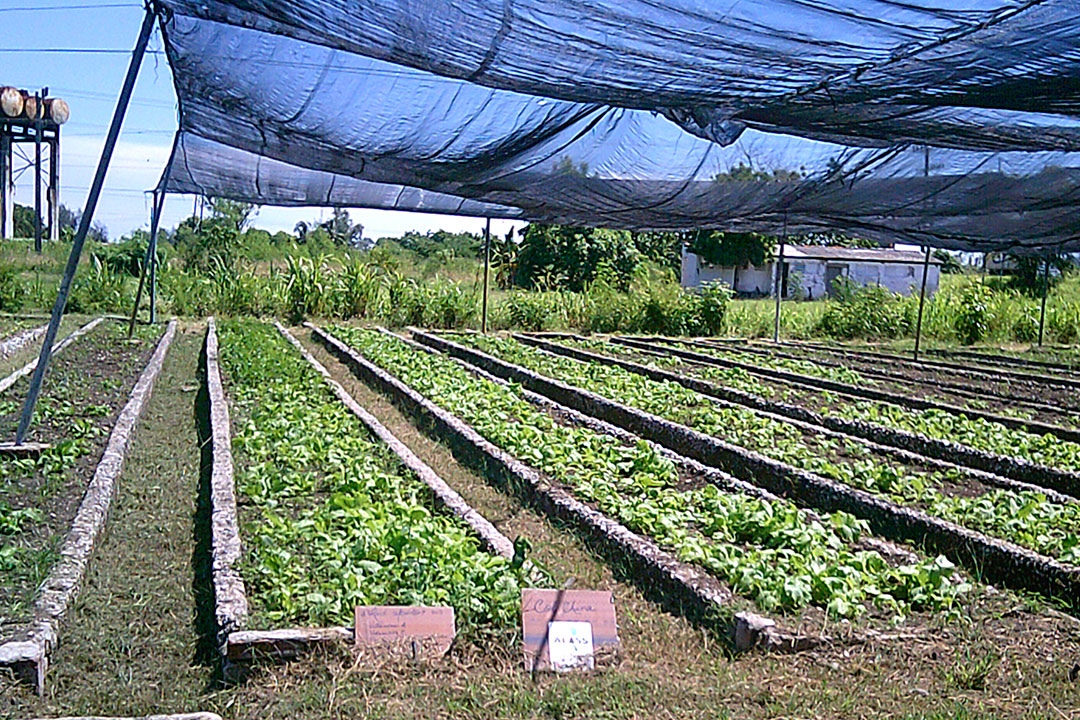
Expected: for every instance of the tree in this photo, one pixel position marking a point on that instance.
(23, 221)
(342, 230)
(97, 232)
(1028, 277)
(573, 257)
(663, 248)
(832, 239)
(232, 213)
(504, 259)
(728, 249)
(744, 172)
(461, 244)
(949, 264)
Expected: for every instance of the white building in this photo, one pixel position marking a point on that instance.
(809, 271)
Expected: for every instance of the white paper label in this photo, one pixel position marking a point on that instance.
(570, 645)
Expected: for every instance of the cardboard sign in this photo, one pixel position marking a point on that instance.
(551, 618)
(412, 632)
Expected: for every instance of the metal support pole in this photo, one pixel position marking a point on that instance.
(487, 263)
(37, 170)
(5, 184)
(84, 224)
(922, 301)
(54, 186)
(148, 262)
(778, 284)
(153, 255)
(1046, 291)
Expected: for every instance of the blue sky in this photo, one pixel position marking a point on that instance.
(89, 82)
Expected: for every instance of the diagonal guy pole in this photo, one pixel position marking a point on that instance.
(84, 223)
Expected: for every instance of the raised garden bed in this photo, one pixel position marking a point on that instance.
(685, 512)
(331, 511)
(56, 505)
(734, 387)
(998, 561)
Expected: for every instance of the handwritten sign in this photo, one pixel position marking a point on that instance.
(551, 618)
(412, 631)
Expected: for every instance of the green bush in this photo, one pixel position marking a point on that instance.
(99, 289)
(868, 311)
(973, 315)
(530, 310)
(439, 304)
(12, 290)
(125, 257)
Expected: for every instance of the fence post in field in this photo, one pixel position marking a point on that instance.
(150, 260)
(922, 301)
(487, 263)
(777, 286)
(1046, 291)
(84, 223)
(37, 168)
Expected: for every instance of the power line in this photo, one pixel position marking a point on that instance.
(85, 51)
(39, 8)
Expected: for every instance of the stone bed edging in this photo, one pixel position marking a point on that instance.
(230, 598)
(1030, 475)
(29, 657)
(989, 558)
(19, 340)
(703, 594)
(870, 435)
(57, 347)
(878, 374)
(1035, 427)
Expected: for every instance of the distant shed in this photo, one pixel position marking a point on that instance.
(810, 271)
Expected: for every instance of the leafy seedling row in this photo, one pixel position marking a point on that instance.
(1001, 398)
(962, 370)
(736, 392)
(880, 403)
(767, 550)
(1023, 515)
(996, 560)
(332, 517)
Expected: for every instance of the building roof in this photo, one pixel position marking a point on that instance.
(817, 252)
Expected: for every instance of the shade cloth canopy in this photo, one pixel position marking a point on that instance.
(951, 124)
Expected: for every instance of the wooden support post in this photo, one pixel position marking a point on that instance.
(37, 170)
(487, 263)
(1045, 292)
(54, 186)
(155, 225)
(778, 286)
(6, 224)
(84, 224)
(922, 301)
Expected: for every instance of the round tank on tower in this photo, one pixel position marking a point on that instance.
(11, 101)
(57, 110)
